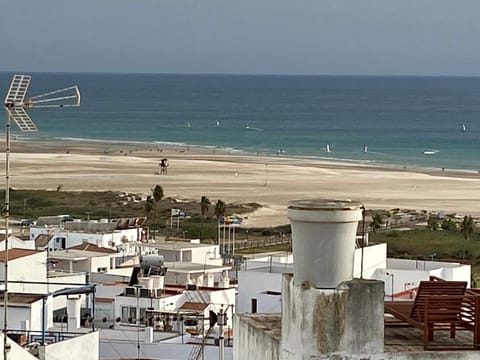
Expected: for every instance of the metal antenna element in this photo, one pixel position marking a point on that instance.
(363, 240)
(15, 106)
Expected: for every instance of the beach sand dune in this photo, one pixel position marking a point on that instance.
(269, 181)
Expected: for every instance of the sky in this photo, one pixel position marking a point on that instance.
(330, 37)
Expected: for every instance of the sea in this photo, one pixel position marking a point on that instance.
(414, 122)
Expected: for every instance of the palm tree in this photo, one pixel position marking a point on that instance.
(432, 222)
(467, 228)
(376, 223)
(220, 209)
(157, 194)
(204, 205)
(149, 205)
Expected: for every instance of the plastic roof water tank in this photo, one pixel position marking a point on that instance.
(323, 236)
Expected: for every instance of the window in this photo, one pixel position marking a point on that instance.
(129, 314)
(125, 313)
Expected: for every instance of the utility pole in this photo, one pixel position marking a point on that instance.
(221, 342)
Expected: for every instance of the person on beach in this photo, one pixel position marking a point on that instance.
(163, 166)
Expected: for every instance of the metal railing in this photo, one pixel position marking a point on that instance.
(23, 337)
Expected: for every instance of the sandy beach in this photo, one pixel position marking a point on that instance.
(235, 177)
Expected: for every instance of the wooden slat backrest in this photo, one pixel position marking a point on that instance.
(437, 288)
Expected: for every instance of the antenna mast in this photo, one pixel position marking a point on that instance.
(15, 106)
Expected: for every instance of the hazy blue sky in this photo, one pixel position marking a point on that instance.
(424, 37)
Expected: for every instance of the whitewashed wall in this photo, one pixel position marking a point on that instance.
(374, 257)
(27, 268)
(84, 347)
(16, 351)
(251, 284)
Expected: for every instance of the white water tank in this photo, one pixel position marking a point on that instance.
(158, 281)
(146, 282)
(323, 240)
(151, 260)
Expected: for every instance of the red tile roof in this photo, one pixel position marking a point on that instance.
(190, 305)
(17, 253)
(42, 240)
(92, 247)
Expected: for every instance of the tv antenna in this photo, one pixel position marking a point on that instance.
(16, 108)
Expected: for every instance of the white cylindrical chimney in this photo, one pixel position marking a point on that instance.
(323, 240)
(73, 313)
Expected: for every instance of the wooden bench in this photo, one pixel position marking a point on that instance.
(437, 305)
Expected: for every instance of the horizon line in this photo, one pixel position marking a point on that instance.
(239, 74)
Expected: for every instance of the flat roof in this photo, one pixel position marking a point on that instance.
(397, 339)
(410, 339)
(21, 298)
(188, 267)
(93, 248)
(177, 245)
(74, 254)
(270, 324)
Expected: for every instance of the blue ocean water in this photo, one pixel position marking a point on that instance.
(396, 117)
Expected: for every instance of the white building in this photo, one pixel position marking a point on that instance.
(182, 251)
(122, 235)
(83, 347)
(31, 290)
(261, 278)
(75, 260)
(173, 304)
(17, 243)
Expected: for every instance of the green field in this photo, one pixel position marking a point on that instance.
(417, 244)
(420, 244)
(424, 244)
(31, 204)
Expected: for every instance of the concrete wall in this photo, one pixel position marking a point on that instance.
(170, 303)
(15, 243)
(203, 254)
(27, 268)
(15, 316)
(251, 284)
(159, 350)
(322, 322)
(54, 283)
(253, 343)
(170, 255)
(108, 240)
(402, 279)
(30, 312)
(225, 298)
(175, 278)
(408, 273)
(462, 273)
(374, 257)
(267, 303)
(104, 310)
(36, 316)
(99, 262)
(84, 347)
(16, 351)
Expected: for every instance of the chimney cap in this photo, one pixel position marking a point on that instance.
(324, 205)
